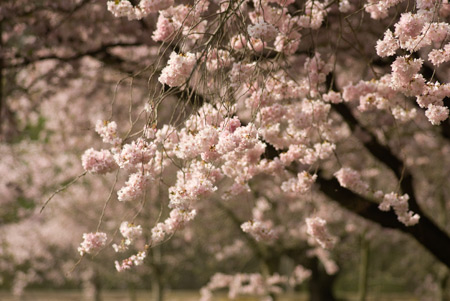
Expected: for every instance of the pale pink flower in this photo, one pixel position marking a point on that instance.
(436, 114)
(178, 69)
(92, 242)
(98, 162)
(316, 228)
(401, 208)
(262, 30)
(108, 131)
(351, 179)
(388, 46)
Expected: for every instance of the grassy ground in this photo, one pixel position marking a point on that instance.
(177, 296)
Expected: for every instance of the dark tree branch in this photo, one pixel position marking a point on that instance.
(100, 51)
(426, 232)
(383, 153)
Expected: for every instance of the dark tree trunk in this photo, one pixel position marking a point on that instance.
(320, 284)
(157, 275)
(98, 288)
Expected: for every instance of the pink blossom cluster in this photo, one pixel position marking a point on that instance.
(388, 46)
(379, 9)
(324, 256)
(414, 31)
(283, 122)
(372, 101)
(260, 230)
(351, 179)
(433, 95)
(165, 29)
(133, 155)
(405, 71)
(400, 205)
(262, 30)
(181, 19)
(299, 275)
(301, 184)
(236, 248)
(176, 221)
(218, 59)
(98, 162)
(134, 187)
(388, 92)
(243, 284)
(439, 56)
(404, 115)
(405, 78)
(124, 8)
(241, 73)
(219, 140)
(133, 260)
(130, 232)
(307, 155)
(269, 23)
(92, 242)
(314, 16)
(316, 228)
(193, 183)
(108, 131)
(276, 89)
(436, 114)
(178, 69)
(332, 97)
(317, 71)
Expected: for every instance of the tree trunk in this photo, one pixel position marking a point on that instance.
(363, 268)
(157, 288)
(98, 288)
(157, 275)
(320, 284)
